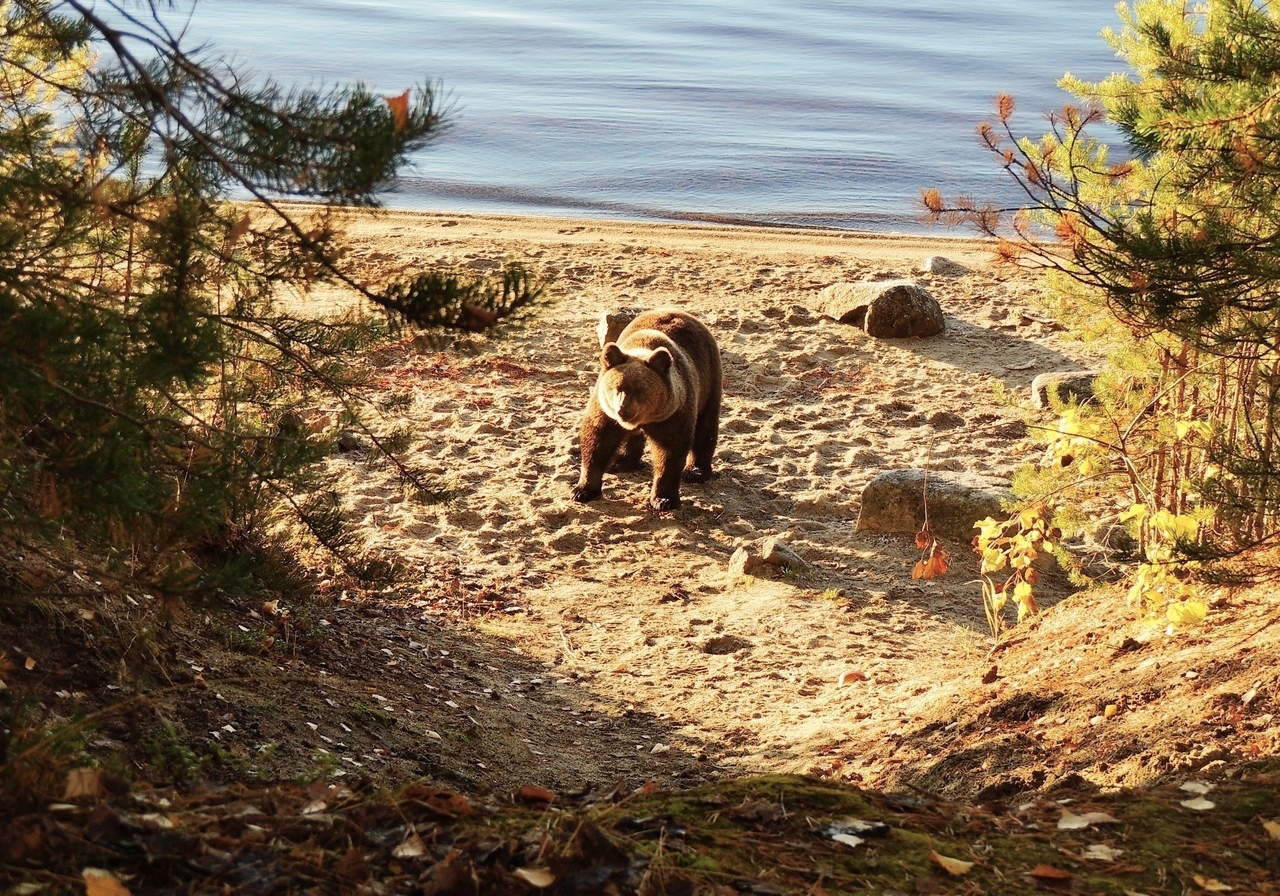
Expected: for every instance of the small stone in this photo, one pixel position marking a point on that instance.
(743, 562)
(1068, 385)
(612, 323)
(945, 267)
(349, 440)
(775, 552)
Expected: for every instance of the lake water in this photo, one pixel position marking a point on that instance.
(805, 112)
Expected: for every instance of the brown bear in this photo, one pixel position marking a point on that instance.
(661, 382)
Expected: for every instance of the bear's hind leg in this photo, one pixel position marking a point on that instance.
(705, 436)
(628, 459)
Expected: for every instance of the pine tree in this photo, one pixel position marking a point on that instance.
(148, 372)
(1179, 242)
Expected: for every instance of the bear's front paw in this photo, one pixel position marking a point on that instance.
(584, 493)
(661, 503)
(696, 474)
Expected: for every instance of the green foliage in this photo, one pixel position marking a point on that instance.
(1176, 244)
(153, 389)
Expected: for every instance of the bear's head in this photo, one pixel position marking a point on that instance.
(635, 389)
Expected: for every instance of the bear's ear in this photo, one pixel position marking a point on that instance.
(612, 356)
(660, 361)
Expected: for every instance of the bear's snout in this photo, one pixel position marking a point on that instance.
(629, 406)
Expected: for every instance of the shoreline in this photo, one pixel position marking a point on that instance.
(743, 221)
(423, 229)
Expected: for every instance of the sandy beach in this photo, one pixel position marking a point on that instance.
(590, 648)
(742, 674)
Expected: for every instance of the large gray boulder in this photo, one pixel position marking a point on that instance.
(894, 502)
(886, 309)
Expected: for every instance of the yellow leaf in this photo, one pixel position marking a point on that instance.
(954, 867)
(100, 882)
(1187, 612)
(993, 560)
(1273, 828)
(988, 528)
(1136, 512)
(1211, 885)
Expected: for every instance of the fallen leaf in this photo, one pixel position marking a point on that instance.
(1070, 821)
(1273, 828)
(853, 832)
(1102, 853)
(1110, 710)
(476, 319)
(1199, 804)
(530, 794)
(82, 782)
(1048, 872)
(411, 848)
(991, 674)
(538, 877)
(1073, 822)
(399, 106)
(100, 882)
(1211, 885)
(847, 677)
(954, 867)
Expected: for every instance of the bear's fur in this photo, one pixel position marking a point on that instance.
(660, 381)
